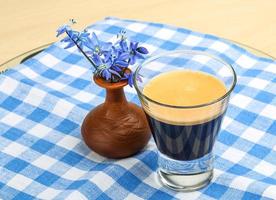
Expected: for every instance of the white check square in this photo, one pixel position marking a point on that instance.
(127, 163)
(76, 195)
(226, 121)
(241, 183)
(240, 100)
(164, 34)
(252, 134)
(48, 193)
(270, 192)
(35, 97)
(14, 149)
(19, 182)
(219, 46)
(136, 27)
(271, 68)
(258, 83)
(150, 48)
(55, 85)
(8, 85)
(12, 119)
(49, 60)
(234, 155)
(225, 72)
(132, 196)
(75, 71)
(84, 96)
(201, 59)
(265, 168)
(269, 111)
(192, 40)
(28, 73)
(39, 130)
(44, 162)
(245, 61)
(74, 174)
(195, 195)
(68, 142)
(102, 180)
(63, 108)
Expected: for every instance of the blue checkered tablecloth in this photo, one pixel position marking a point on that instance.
(44, 100)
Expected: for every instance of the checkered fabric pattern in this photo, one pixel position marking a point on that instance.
(44, 100)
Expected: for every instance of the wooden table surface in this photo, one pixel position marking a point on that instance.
(26, 24)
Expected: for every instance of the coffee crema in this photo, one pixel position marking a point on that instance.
(184, 133)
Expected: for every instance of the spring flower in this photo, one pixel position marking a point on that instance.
(110, 60)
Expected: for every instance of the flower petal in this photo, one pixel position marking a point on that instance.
(95, 39)
(121, 63)
(139, 56)
(142, 50)
(69, 45)
(115, 73)
(132, 60)
(97, 60)
(62, 29)
(124, 56)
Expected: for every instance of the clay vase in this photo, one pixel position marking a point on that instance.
(116, 128)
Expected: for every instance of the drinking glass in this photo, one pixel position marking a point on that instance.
(185, 135)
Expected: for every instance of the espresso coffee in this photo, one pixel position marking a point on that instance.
(189, 132)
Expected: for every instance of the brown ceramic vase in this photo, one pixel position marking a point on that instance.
(116, 128)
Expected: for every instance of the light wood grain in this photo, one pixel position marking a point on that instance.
(27, 24)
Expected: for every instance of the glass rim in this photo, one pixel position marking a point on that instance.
(187, 52)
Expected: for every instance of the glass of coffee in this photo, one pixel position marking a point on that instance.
(185, 95)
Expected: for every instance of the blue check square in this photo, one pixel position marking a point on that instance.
(80, 83)
(72, 158)
(272, 128)
(47, 178)
(103, 196)
(38, 115)
(42, 146)
(73, 59)
(16, 165)
(13, 134)
(160, 195)
(265, 97)
(113, 29)
(10, 103)
(51, 74)
(129, 181)
(216, 190)
(23, 196)
(246, 117)
(76, 184)
(253, 72)
(66, 126)
(259, 151)
(168, 45)
(238, 170)
(250, 196)
(227, 138)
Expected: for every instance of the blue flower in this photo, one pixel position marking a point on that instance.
(76, 38)
(129, 77)
(104, 69)
(110, 60)
(98, 46)
(136, 52)
(62, 29)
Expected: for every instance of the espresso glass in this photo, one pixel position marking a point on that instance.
(185, 135)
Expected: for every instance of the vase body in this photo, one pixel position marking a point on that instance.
(116, 128)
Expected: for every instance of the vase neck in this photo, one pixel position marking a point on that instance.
(115, 95)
